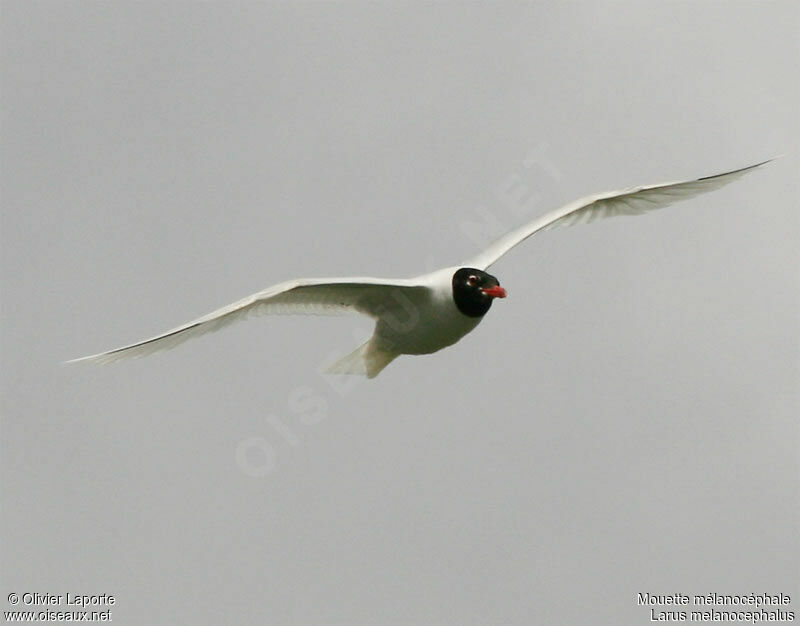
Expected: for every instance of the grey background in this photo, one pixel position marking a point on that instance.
(625, 421)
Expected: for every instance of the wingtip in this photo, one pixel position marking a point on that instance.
(81, 359)
(741, 170)
(769, 160)
(101, 359)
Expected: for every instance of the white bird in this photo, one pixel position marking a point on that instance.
(424, 314)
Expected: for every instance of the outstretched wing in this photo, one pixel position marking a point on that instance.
(308, 296)
(634, 201)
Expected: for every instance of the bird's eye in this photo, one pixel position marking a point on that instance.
(472, 280)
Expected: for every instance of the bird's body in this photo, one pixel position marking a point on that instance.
(420, 315)
(418, 321)
(429, 320)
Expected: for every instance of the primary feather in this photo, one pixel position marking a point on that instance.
(633, 201)
(308, 296)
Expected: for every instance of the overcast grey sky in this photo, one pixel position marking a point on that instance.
(625, 421)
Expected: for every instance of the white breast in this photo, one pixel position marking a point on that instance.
(427, 322)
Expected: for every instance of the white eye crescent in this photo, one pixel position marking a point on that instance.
(472, 280)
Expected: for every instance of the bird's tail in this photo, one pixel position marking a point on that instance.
(367, 360)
